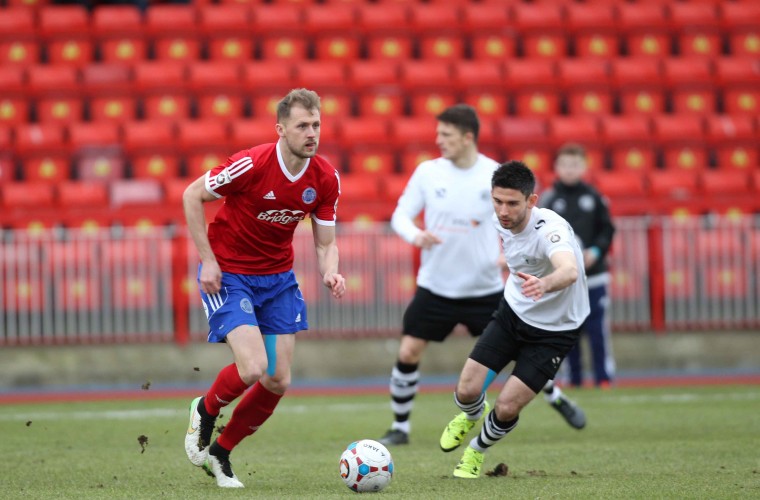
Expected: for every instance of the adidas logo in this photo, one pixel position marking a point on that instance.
(270, 196)
(298, 318)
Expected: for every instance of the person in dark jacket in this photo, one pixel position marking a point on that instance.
(587, 212)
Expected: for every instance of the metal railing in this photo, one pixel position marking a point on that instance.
(121, 285)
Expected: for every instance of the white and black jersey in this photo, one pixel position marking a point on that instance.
(529, 252)
(458, 209)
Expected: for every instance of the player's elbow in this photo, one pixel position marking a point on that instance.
(192, 195)
(572, 275)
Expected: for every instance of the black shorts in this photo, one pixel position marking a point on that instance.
(537, 353)
(432, 317)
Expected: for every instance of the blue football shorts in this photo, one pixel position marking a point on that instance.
(273, 302)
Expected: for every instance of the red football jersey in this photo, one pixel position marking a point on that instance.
(252, 232)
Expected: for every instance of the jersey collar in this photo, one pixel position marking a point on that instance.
(291, 177)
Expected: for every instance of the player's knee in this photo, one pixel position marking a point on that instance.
(251, 373)
(409, 356)
(506, 410)
(277, 384)
(468, 391)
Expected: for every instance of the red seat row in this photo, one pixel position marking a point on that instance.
(387, 30)
(177, 91)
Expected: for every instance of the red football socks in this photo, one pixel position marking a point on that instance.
(250, 414)
(225, 389)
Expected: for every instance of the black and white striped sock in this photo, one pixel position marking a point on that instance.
(403, 388)
(492, 431)
(474, 409)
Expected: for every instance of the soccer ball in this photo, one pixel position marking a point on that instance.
(366, 466)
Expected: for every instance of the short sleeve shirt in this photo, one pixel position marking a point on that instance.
(252, 232)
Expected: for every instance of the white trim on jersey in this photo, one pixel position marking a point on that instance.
(284, 169)
(227, 174)
(322, 222)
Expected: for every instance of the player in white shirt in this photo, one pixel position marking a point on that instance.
(460, 276)
(537, 323)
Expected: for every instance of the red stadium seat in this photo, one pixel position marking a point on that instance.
(541, 28)
(320, 75)
(386, 29)
(147, 192)
(161, 86)
(481, 18)
(628, 138)
(359, 187)
(437, 29)
(203, 135)
(726, 183)
(89, 134)
(35, 137)
(173, 32)
(65, 30)
(14, 101)
(681, 138)
(386, 102)
(18, 44)
(108, 89)
(645, 29)
(225, 30)
(96, 151)
(54, 88)
(739, 22)
(413, 132)
(265, 81)
(639, 85)
(739, 81)
(376, 83)
(332, 31)
(690, 82)
(280, 29)
(695, 28)
(427, 82)
(82, 194)
(412, 157)
(278, 18)
(248, 133)
(533, 83)
(594, 30)
(626, 190)
(587, 86)
(217, 89)
(425, 74)
(26, 195)
(151, 147)
(267, 76)
(670, 189)
(371, 163)
(363, 138)
(734, 141)
(364, 131)
(119, 32)
(524, 139)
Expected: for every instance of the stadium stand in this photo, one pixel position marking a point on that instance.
(669, 84)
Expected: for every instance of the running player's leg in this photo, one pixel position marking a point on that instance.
(429, 318)
(230, 314)
(597, 327)
(249, 353)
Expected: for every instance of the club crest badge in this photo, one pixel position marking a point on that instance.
(309, 195)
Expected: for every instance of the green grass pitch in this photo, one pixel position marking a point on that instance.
(670, 442)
